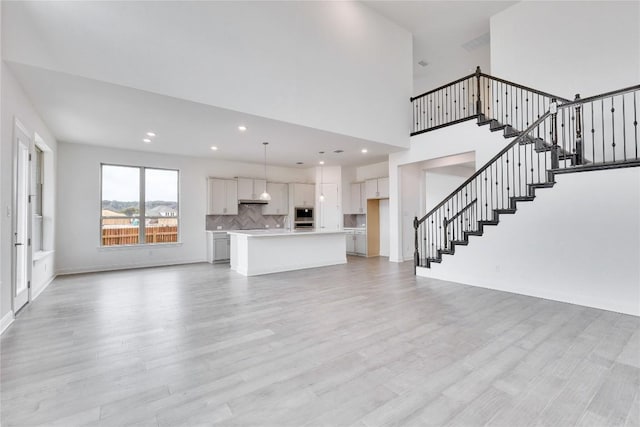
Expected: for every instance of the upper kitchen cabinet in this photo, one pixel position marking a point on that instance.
(222, 196)
(279, 203)
(251, 189)
(304, 195)
(358, 203)
(377, 188)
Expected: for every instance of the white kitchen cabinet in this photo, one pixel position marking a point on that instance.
(360, 243)
(356, 242)
(218, 247)
(377, 188)
(250, 188)
(222, 196)
(304, 195)
(351, 243)
(279, 203)
(358, 198)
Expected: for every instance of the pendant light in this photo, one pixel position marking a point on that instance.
(265, 196)
(321, 198)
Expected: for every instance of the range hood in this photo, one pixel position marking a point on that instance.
(252, 202)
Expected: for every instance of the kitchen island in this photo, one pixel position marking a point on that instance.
(255, 252)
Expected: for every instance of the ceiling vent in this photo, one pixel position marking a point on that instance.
(472, 45)
(423, 63)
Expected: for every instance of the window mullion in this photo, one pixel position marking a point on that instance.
(143, 213)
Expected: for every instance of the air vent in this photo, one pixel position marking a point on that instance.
(477, 42)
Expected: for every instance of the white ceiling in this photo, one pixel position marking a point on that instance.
(81, 110)
(439, 29)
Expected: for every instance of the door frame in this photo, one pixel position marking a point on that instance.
(18, 126)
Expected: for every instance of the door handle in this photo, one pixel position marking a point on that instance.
(17, 244)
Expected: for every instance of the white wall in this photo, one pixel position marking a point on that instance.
(578, 242)
(570, 47)
(374, 170)
(15, 104)
(446, 145)
(384, 227)
(335, 66)
(446, 70)
(78, 236)
(440, 182)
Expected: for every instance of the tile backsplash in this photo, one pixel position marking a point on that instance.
(355, 220)
(249, 217)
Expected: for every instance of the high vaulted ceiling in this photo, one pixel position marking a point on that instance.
(105, 73)
(440, 29)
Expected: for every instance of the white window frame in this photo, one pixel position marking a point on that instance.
(142, 213)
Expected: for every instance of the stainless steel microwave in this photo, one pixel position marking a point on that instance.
(304, 214)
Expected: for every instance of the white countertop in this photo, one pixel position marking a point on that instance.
(280, 232)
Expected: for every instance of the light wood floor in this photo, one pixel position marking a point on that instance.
(364, 344)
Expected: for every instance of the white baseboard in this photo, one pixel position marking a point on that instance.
(116, 267)
(6, 321)
(624, 307)
(43, 287)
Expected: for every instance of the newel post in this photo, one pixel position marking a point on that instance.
(579, 149)
(416, 255)
(553, 109)
(478, 100)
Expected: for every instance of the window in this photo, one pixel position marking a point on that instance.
(38, 227)
(133, 196)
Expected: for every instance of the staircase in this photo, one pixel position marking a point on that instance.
(549, 135)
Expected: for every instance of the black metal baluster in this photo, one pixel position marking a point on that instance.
(491, 189)
(579, 145)
(519, 170)
(613, 131)
(507, 160)
(526, 126)
(446, 106)
(624, 130)
(508, 106)
(635, 123)
(564, 150)
(602, 119)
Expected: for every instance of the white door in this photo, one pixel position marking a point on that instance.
(21, 260)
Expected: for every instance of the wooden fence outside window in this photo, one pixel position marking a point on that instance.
(129, 234)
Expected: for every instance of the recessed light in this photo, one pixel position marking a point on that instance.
(338, 151)
(242, 128)
(214, 148)
(151, 134)
(321, 162)
(364, 150)
(147, 141)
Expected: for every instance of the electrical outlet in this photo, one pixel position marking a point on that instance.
(219, 227)
(266, 226)
(277, 225)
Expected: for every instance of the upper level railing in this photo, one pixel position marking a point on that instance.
(479, 94)
(600, 130)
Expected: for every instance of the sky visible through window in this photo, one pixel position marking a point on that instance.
(122, 183)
